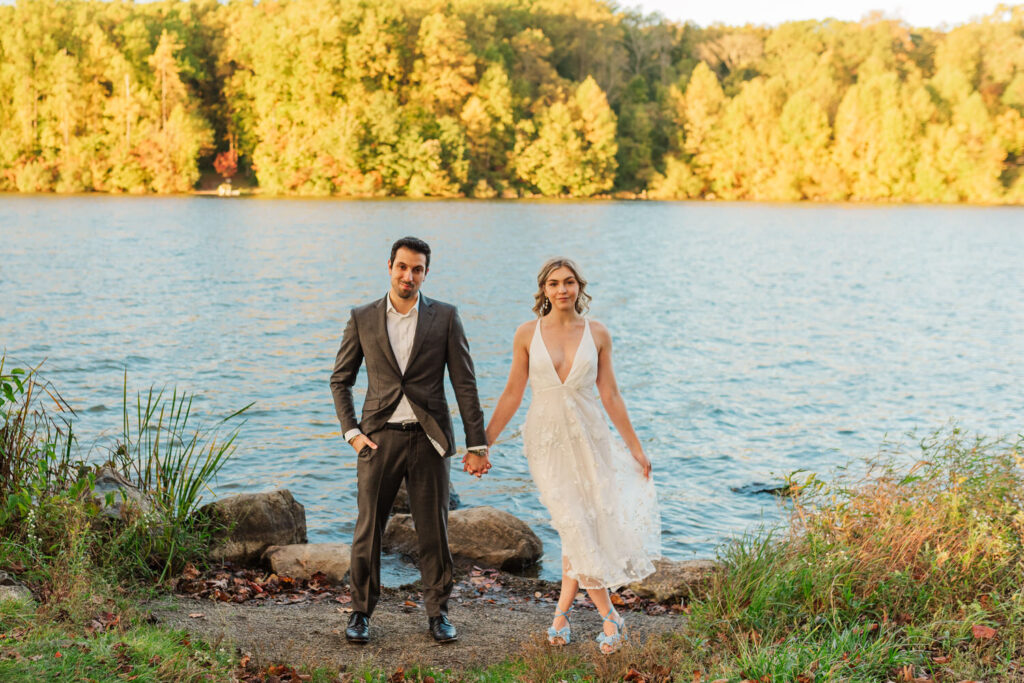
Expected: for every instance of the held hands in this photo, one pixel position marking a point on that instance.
(476, 463)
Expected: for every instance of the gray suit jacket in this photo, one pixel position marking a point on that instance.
(439, 341)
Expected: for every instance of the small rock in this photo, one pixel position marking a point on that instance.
(485, 535)
(127, 499)
(252, 522)
(302, 560)
(780, 489)
(673, 580)
(401, 503)
(10, 589)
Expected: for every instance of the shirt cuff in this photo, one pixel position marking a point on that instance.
(476, 448)
(352, 433)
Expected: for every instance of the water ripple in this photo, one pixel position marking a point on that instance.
(750, 340)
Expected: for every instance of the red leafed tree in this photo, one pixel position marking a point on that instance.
(226, 163)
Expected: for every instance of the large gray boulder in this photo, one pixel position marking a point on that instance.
(302, 560)
(401, 503)
(11, 589)
(252, 522)
(126, 500)
(484, 535)
(673, 580)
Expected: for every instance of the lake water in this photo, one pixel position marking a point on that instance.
(751, 340)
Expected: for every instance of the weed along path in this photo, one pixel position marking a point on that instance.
(498, 616)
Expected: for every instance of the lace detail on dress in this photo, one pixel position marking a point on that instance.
(603, 509)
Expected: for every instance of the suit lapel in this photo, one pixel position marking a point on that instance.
(382, 335)
(426, 319)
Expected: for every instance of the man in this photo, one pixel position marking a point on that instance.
(406, 429)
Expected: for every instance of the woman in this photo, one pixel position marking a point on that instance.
(602, 501)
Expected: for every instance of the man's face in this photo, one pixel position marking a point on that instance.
(407, 271)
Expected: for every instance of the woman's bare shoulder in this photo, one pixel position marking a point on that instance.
(598, 329)
(525, 331)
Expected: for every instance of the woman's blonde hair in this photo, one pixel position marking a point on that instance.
(541, 304)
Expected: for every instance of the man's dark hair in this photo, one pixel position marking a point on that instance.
(412, 243)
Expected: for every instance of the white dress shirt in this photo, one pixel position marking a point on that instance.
(401, 333)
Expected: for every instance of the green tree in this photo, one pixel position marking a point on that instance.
(445, 71)
(878, 128)
(488, 119)
(569, 149)
(376, 51)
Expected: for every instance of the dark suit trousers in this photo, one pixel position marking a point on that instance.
(410, 456)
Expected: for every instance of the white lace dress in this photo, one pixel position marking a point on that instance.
(603, 508)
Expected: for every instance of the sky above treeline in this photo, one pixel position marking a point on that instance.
(920, 13)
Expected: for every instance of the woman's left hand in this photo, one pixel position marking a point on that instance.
(644, 463)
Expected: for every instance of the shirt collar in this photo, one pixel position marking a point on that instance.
(391, 307)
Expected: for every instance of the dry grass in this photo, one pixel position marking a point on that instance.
(952, 521)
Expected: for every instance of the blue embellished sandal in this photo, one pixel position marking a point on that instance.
(612, 643)
(560, 636)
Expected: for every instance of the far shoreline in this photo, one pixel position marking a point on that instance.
(598, 199)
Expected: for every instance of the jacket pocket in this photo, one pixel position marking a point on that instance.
(371, 404)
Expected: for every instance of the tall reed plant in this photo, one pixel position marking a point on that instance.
(36, 441)
(161, 449)
(174, 462)
(47, 509)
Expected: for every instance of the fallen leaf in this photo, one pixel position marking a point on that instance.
(617, 600)
(943, 659)
(196, 615)
(398, 676)
(697, 677)
(410, 603)
(57, 654)
(982, 632)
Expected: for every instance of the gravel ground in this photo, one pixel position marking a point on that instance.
(493, 625)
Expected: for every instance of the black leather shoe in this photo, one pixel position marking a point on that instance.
(442, 629)
(358, 630)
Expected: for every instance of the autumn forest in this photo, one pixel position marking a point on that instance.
(505, 98)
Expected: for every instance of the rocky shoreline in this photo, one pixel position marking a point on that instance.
(269, 530)
(278, 598)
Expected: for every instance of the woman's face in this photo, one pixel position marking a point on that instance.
(562, 289)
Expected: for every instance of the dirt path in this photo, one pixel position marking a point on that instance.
(493, 625)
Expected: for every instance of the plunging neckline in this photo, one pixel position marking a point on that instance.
(551, 361)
